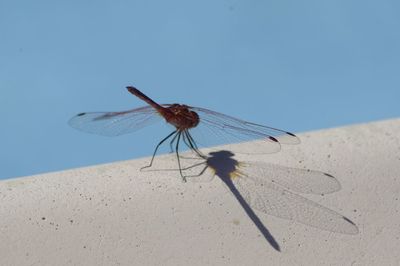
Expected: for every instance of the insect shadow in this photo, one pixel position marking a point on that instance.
(226, 167)
(268, 188)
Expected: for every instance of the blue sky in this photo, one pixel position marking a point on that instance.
(295, 65)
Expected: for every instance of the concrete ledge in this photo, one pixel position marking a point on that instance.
(114, 214)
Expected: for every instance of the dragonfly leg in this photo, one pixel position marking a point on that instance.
(172, 142)
(177, 155)
(193, 145)
(186, 141)
(155, 150)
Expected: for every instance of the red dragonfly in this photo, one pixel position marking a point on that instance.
(197, 127)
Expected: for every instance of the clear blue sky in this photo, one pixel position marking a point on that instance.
(296, 65)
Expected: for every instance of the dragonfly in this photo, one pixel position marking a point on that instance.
(196, 127)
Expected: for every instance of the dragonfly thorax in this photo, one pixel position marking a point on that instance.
(180, 116)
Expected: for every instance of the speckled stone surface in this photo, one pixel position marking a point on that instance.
(114, 214)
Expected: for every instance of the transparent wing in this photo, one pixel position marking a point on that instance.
(231, 123)
(216, 129)
(115, 123)
(273, 199)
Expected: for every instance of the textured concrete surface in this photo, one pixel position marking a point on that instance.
(114, 214)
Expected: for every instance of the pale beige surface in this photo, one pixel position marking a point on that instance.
(116, 215)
